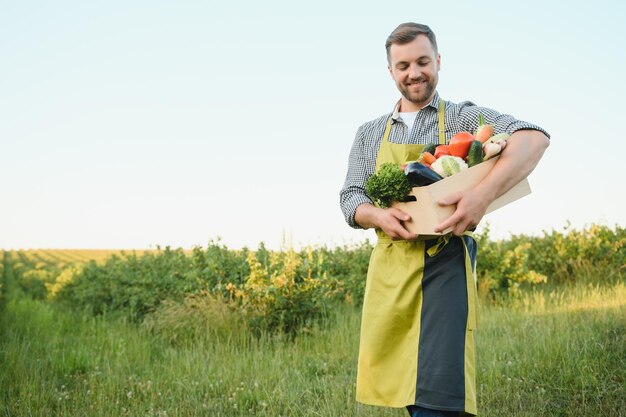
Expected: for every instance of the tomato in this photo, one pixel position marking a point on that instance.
(460, 143)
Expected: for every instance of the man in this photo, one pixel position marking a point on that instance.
(417, 329)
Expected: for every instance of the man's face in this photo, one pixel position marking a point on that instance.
(414, 67)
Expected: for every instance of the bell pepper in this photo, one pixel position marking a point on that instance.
(460, 143)
(442, 150)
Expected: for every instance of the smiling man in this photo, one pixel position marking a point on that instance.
(415, 70)
(418, 323)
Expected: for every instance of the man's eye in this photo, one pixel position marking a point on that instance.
(423, 63)
(403, 67)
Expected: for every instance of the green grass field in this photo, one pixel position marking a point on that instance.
(559, 353)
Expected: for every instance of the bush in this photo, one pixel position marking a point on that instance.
(286, 291)
(199, 317)
(594, 254)
(277, 298)
(133, 284)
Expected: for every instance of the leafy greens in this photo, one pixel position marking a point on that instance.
(389, 184)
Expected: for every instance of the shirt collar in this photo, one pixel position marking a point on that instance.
(434, 103)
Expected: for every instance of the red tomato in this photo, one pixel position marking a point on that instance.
(460, 143)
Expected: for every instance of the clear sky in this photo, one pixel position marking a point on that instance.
(135, 124)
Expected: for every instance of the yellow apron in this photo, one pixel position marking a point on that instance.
(419, 314)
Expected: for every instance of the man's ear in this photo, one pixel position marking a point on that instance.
(438, 62)
(390, 72)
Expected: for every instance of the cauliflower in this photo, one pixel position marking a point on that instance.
(448, 165)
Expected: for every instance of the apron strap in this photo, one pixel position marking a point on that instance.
(439, 245)
(387, 130)
(442, 127)
(383, 142)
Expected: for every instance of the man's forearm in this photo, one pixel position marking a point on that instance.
(523, 151)
(365, 215)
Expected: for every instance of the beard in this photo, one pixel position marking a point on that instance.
(423, 95)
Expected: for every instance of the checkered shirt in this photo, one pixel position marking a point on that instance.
(458, 117)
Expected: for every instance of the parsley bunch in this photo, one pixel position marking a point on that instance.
(389, 184)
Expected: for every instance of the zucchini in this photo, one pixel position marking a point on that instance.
(430, 148)
(475, 153)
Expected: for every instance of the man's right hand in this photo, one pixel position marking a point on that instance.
(389, 220)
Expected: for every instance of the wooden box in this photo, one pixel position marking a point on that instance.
(426, 213)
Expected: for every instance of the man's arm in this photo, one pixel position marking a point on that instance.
(357, 207)
(521, 155)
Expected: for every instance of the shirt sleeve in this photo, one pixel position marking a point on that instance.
(360, 168)
(502, 123)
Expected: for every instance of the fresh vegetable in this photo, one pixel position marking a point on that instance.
(430, 148)
(419, 174)
(491, 149)
(435, 163)
(426, 158)
(475, 153)
(483, 133)
(442, 150)
(494, 145)
(460, 143)
(449, 165)
(389, 184)
(499, 138)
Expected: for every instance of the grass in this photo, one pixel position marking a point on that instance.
(557, 353)
(550, 353)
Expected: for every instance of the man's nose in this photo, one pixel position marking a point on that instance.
(414, 71)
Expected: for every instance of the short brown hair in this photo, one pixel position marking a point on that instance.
(406, 32)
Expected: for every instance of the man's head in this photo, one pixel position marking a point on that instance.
(413, 64)
(406, 32)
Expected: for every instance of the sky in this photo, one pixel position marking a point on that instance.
(151, 123)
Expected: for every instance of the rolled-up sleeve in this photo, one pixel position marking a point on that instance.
(502, 123)
(360, 168)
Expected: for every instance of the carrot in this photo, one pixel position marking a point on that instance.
(484, 132)
(427, 158)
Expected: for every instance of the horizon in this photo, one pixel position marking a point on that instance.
(137, 125)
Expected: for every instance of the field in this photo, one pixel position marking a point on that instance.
(544, 349)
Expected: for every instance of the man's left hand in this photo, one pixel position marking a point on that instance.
(470, 209)
(522, 153)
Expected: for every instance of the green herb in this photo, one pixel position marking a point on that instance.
(389, 184)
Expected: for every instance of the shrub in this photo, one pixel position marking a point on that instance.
(130, 283)
(503, 266)
(199, 317)
(277, 298)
